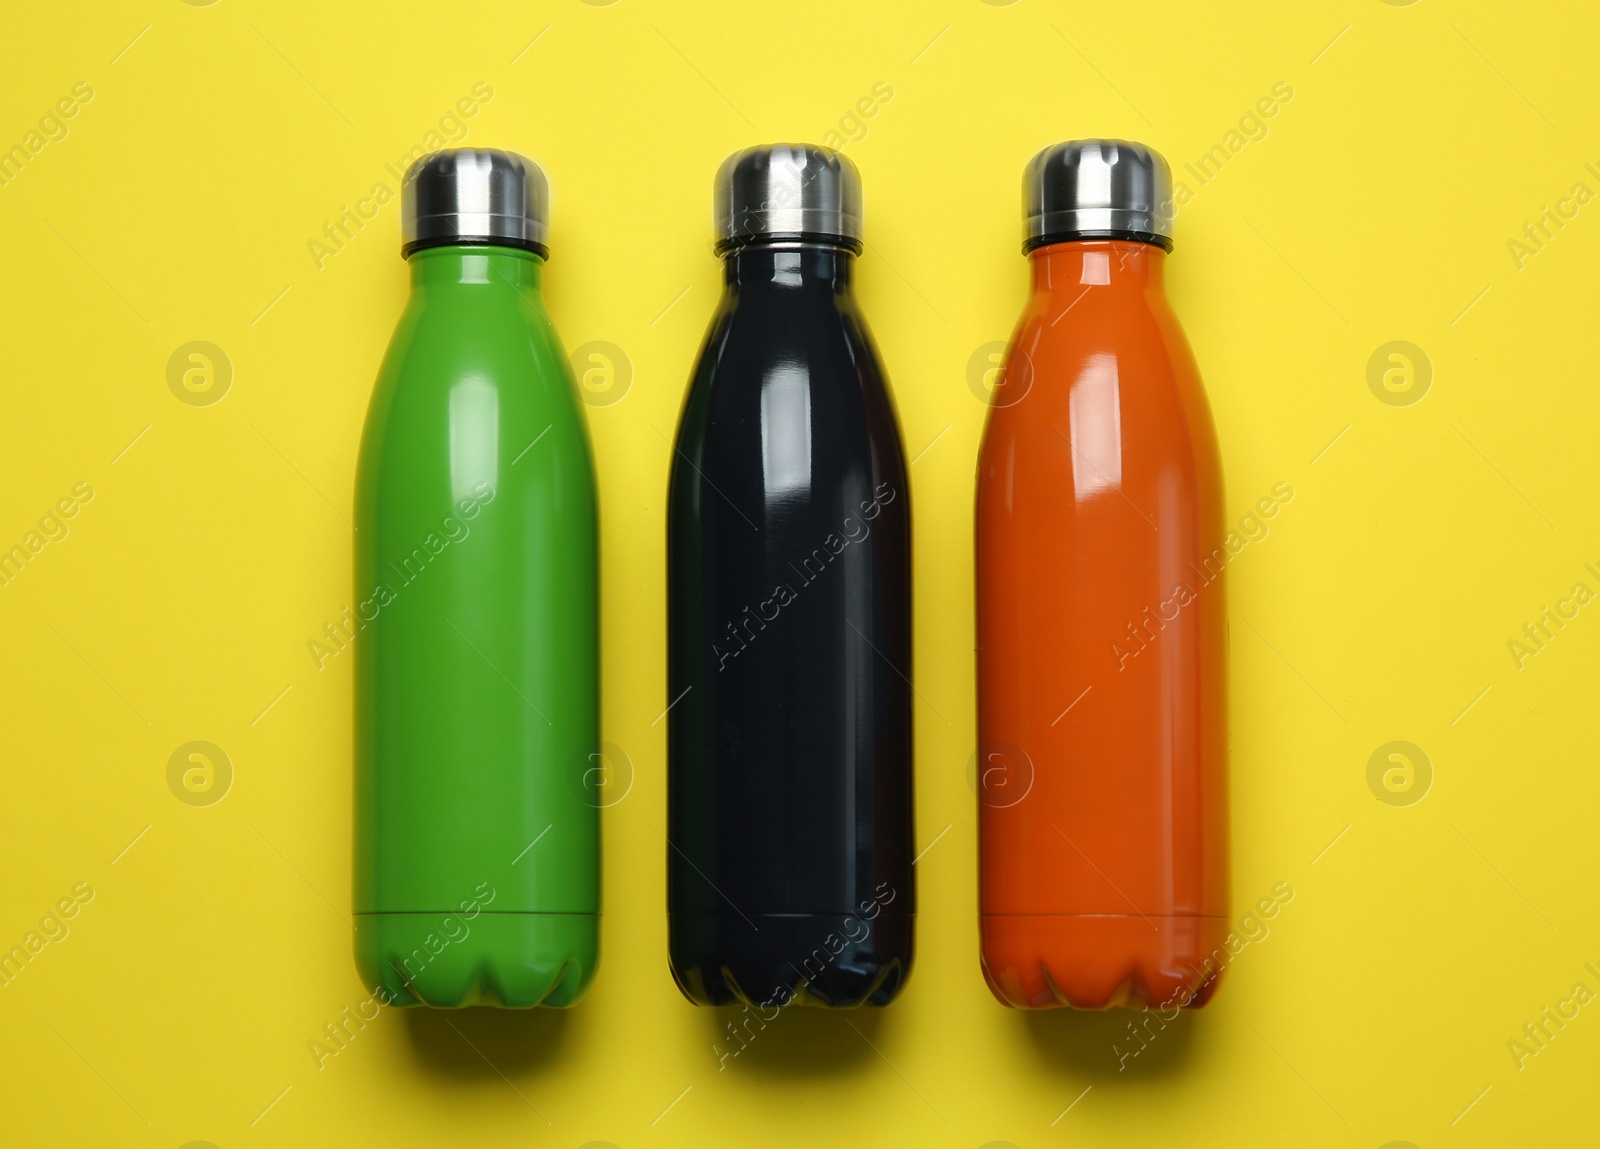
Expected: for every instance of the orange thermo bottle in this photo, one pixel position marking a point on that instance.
(1101, 632)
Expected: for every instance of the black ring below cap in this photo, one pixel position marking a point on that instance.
(409, 249)
(1035, 242)
(734, 243)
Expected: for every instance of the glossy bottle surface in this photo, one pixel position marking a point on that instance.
(477, 673)
(1101, 649)
(789, 613)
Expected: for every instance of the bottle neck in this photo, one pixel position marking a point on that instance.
(788, 264)
(481, 264)
(1117, 264)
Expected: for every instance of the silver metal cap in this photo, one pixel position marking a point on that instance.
(1097, 189)
(474, 195)
(799, 190)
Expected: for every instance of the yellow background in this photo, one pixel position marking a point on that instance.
(1378, 207)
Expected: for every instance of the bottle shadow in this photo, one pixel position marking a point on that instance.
(478, 1043)
(799, 1042)
(1108, 1045)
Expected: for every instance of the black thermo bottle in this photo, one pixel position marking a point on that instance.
(789, 616)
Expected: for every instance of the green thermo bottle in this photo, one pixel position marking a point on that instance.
(477, 829)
